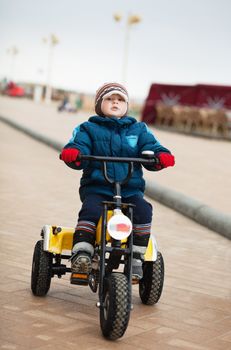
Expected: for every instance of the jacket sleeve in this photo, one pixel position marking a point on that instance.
(148, 142)
(81, 140)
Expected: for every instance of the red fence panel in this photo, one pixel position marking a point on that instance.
(201, 95)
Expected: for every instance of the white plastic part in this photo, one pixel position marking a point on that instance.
(154, 247)
(46, 237)
(119, 226)
(147, 153)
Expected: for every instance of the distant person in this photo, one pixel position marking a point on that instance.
(65, 104)
(11, 85)
(79, 103)
(4, 84)
(111, 133)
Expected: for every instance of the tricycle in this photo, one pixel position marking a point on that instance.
(111, 273)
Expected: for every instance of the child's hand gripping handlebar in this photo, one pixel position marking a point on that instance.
(147, 159)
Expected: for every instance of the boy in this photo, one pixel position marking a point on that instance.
(111, 133)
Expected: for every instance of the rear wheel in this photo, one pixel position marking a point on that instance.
(151, 285)
(115, 313)
(41, 270)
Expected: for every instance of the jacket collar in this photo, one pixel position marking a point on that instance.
(112, 121)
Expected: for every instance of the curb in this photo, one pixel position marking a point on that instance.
(192, 208)
(188, 206)
(46, 140)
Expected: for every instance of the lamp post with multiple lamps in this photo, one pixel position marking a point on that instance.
(131, 20)
(13, 52)
(52, 40)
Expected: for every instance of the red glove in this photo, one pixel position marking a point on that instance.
(69, 155)
(166, 160)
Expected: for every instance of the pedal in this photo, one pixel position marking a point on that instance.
(79, 278)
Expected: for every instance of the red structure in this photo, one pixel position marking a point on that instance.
(211, 96)
(14, 90)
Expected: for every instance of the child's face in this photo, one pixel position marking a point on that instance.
(114, 106)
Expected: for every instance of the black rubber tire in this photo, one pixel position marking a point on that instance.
(41, 270)
(151, 285)
(114, 316)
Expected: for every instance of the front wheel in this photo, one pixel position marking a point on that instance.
(151, 285)
(115, 312)
(41, 270)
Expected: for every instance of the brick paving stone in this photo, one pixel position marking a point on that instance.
(10, 346)
(218, 344)
(47, 316)
(227, 337)
(148, 339)
(193, 313)
(186, 345)
(201, 335)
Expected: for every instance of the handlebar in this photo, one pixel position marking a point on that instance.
(150, 159)
(118, 159)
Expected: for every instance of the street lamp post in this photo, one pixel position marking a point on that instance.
(52, 40)
(131, 19)
(13, 52)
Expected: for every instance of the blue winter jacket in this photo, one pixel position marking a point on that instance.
(103, 136)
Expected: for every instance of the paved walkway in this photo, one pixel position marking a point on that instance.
(203, 167)
(194, 312)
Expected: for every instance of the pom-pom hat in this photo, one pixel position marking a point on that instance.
(107, 90)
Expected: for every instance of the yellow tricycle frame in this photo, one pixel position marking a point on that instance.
(59, 239)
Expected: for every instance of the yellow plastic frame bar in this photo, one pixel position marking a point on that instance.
(58, 238)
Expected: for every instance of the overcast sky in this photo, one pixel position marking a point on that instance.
(177, 41)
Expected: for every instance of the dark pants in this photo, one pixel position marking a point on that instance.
(92, 210)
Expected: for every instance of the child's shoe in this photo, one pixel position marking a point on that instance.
(81, 262)
(137, 270)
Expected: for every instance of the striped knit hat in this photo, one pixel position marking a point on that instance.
(107, 90)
